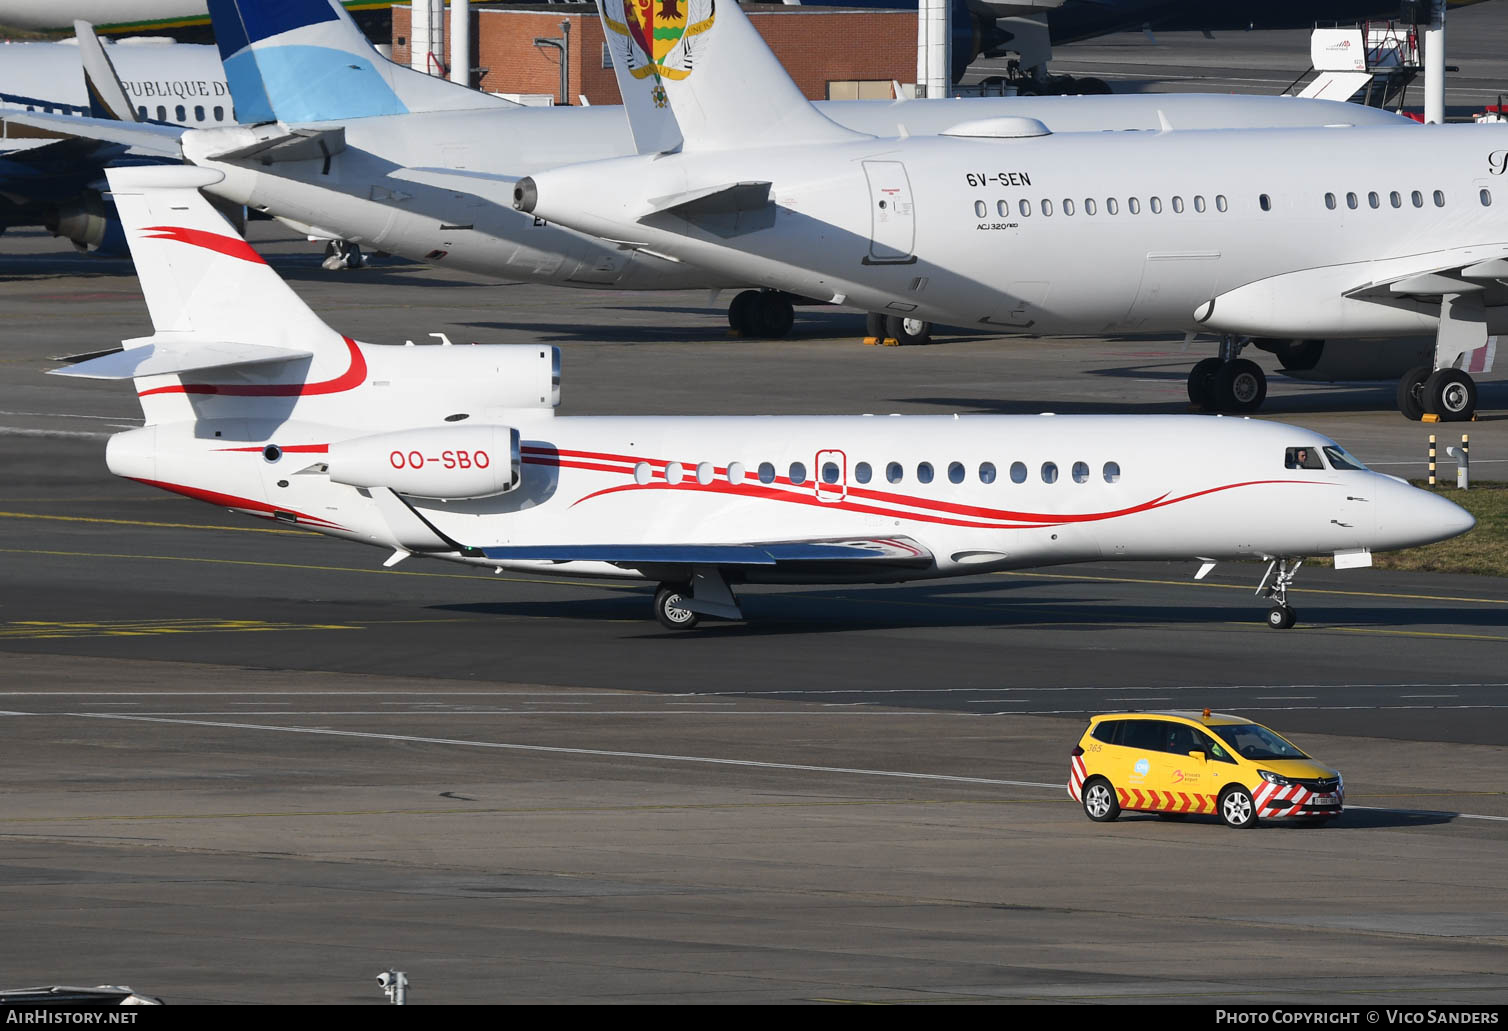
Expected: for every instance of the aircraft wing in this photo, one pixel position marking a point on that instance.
(146, 137)
(853, 552)
(1482, 271)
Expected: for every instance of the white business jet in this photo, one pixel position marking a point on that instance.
(252, 403)
(1299, 233)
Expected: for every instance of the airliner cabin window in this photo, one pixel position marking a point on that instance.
(1081, 472)
(1330, 201)
(1220, 202)
(181, 113)
(1112, 472)
(1265, 201)
(219, 113)
(1417, 198)
(1088, 205)
(862, 472)
(1049, 472)
(1024, 207)
(1157, 205)
(1351, 201)
(924, 472)
(1018, 472)
(1439, 198)
(894, 473)
(198, 112)
(1067, 206)
(1374, 200)
(1134, 206)
(1003, 208)
(1486, 197)
(1302, 458)
(1046, 207)
(1199, 204)
(955, 472)
(162, 113)
(141, 113)
(1396, 199)
(766, 472)
(986, 472)
(1178, 205)
(798, 473)
(980, 209)
(1111, 206)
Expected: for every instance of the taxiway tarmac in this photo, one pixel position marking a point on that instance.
(247, 764)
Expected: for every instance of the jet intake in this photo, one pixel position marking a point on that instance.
(525, 195)
(446, 463)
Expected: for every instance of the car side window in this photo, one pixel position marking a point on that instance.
(1179, 739)
(1108, 731)
(1214, 749)
(1143, 735)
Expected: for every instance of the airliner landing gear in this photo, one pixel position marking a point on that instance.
(670, 609)
(1444, 391)
(1274, 585)
(1228, 383)
(908, 332)
(761, 313)
(342, 254)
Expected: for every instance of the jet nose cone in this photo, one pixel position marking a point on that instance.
(1429, 518)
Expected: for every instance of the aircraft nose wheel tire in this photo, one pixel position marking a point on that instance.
(1451, 394)
(1237, 808)
(1239, 386)
(669, 609)
(908, 332)
(1281, 617)
(1411, 392)
(1100, 803)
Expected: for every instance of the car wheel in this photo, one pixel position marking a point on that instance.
(1237, 808)
(1100, 803)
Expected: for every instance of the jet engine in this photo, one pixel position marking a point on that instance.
(90, 223)
(449, 463)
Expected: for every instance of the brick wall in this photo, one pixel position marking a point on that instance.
(816, 45)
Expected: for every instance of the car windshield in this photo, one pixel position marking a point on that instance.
(1253, 742)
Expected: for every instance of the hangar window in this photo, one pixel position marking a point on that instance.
(1265, 201)
(674, 472)
(1178, 205)
(980, 209)
(894, 472)
(1003, 208)
(1351, 201)
(1134, 206)
(1025, 207)
(1081, 472)
(1111, 206)
(1486, 197)
(986, 472)
(1067, 206)
(1049, 472)
(1396, 199)
(1018, 472)
(1112, 472)
(736, 472)
(1088, 205)
(1330, 201)
(1417, 198)
(1439, 198)
(862, 472)
(1046, 207)
(955, 472)
(1220, 202)
(766, 472)
(1199, 204)
(1157, 205)
(924, 472)
(798, 473)
(1374, 200)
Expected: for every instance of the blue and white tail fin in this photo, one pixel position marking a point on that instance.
(714, 71)
(299, 61)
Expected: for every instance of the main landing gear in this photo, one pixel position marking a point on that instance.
(1228, 383)
(680, 605)
(342, 254)
(1450, 395)
(762, 313)
(896, 331)
(1274, 585)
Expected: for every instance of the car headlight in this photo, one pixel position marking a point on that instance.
(1273, 778)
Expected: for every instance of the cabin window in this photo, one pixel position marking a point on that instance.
(955, 472)
(1485, 197)
(980, 209)
(1396, 199)
(862, 472)
(1133, 205)
(798, 473)
(1067, 206)
(1178, 205)
(1081, 472)
(1088, 205)
(162, 113)
(1198, 204)
(1049, 472)
(736, 473)
(1220, 202)
(1330, 201)
(181, 113)
(141, 112)
(1157, 205)
(1265, 202)
(1003, 208)
(1302, 458)
(1111, 207)
(1018, 472)
(1351, 201)
(766, 472)
(1417, 198)
(924, 472)
(1046, 207)
(704, 473)
(1374, 200)
(1112, 472)
(830, 472)
(986, 472)
(894, 472)
(674, 472)
(219, 113)
(1439, 198)
(198, 112)
(643, 473)
(1024, 207)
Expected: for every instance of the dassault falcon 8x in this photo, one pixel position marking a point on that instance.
(252, 403)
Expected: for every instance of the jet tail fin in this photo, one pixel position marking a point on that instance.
(107, 98)
(306, 61)
(725, 87)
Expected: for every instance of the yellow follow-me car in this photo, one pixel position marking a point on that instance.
(1176, 763)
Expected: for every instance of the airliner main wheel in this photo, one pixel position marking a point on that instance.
(742, 313)
(1240, 386)
(1100, 803)
(776, 315)
(1411, 392)
(874, 326)
(1202, 382)
(1451, 394)
(669, 609)
(1281, 617)
(908, 332)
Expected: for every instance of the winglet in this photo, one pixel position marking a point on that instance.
(706, 61)
(107, 97)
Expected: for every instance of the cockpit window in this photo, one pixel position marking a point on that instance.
(1340, 458)
(1302, 458)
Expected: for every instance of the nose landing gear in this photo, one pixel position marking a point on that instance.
(1275, 583)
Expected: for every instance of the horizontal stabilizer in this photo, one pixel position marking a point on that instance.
(296, 145)
(170, 357)
(146, 137)
(896, 551)
(732, 199)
